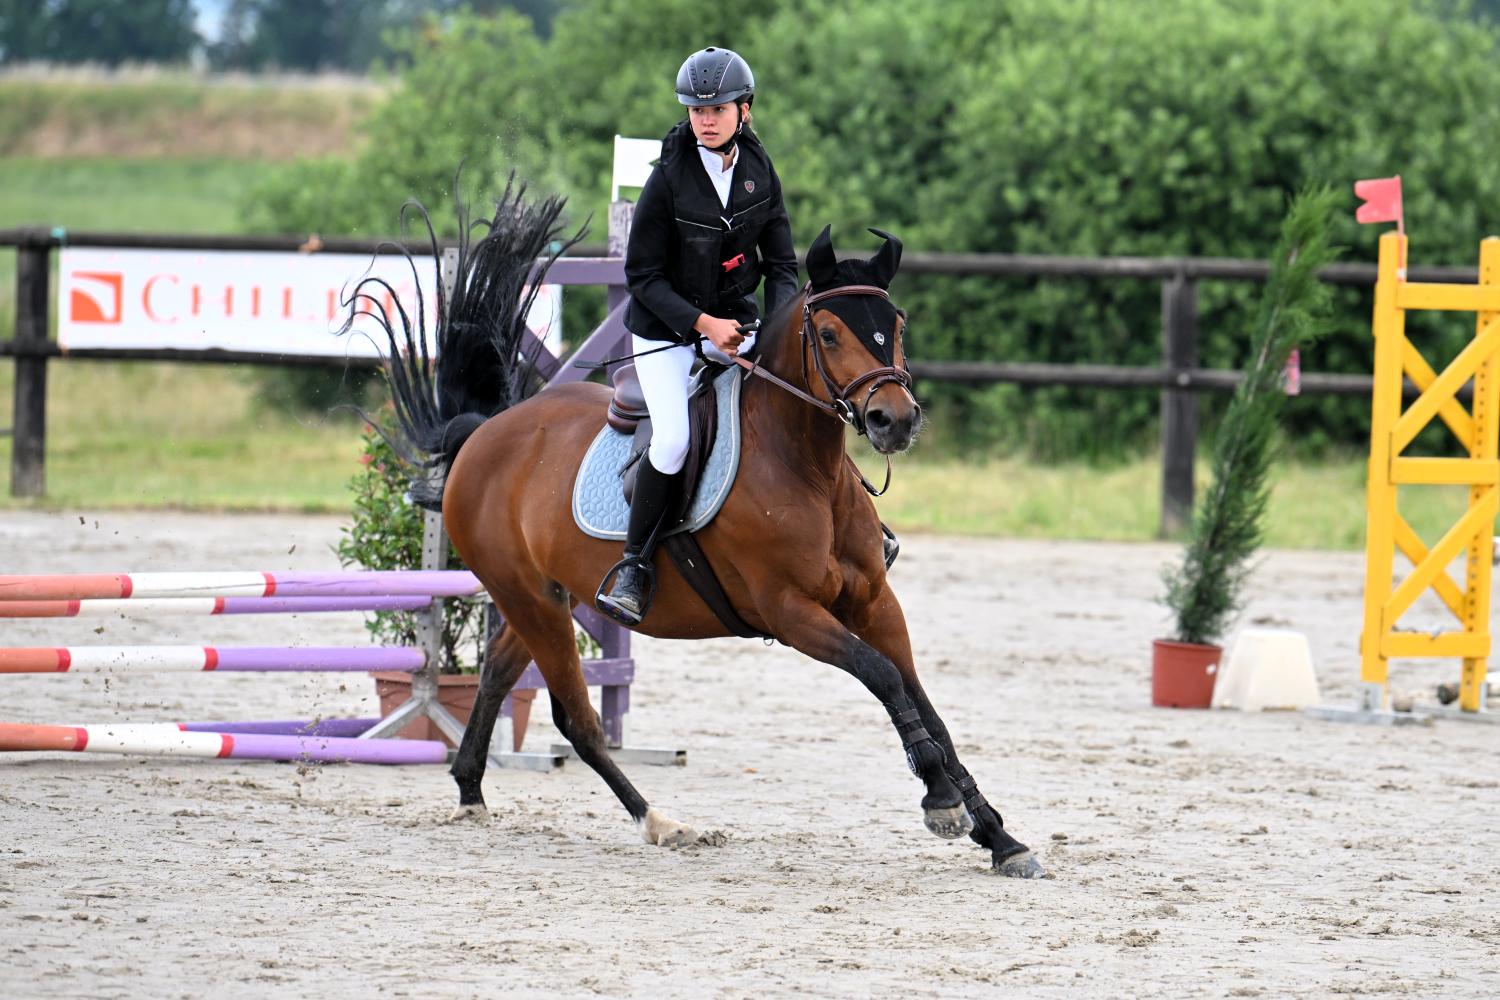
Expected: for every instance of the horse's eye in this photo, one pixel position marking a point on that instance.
(828, 336)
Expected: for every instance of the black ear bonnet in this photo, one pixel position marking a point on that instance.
(871, 318)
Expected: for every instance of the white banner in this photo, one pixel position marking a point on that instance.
(277, 303)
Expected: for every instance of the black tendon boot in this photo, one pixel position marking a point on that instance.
(656, 497)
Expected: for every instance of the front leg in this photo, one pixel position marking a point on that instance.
(882, 625)
(808, 627)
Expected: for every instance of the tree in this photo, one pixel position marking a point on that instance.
(97, 31)
(350, 35)
(1035, 126)
(1205, 591)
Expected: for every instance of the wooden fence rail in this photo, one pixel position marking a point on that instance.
(1178, 378)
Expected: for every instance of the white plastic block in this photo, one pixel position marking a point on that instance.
(1267, 668)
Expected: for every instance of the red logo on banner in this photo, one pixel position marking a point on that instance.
(96, 297)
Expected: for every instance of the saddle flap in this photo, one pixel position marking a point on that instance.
(599, 506)
(703, 427)
(628, 405)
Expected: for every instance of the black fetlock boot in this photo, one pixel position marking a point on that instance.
(655, 498)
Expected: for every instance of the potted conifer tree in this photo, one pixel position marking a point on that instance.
(1204, 592)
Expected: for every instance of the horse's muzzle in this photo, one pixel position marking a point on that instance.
(890, 431)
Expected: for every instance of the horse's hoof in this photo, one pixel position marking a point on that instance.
(475, 811)
(1023, 865)
(950, 824)
(659, 831)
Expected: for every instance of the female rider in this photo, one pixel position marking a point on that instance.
(709, 225)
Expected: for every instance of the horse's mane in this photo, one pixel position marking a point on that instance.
(774, 327)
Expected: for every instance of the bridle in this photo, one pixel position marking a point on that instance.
(841, 406)
(846, 411)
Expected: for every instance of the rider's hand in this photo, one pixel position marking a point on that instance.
(722, 333)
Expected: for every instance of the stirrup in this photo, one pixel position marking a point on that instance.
(610, 606)
(891, 547)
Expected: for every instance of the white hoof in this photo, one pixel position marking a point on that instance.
(477, 812)
(659, 831)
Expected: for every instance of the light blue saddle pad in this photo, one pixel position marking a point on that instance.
(599, 505)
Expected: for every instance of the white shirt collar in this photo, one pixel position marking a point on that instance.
(713, 163)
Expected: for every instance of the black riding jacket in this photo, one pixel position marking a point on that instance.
(690, 255)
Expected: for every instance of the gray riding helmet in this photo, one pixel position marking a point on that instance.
(715, 76)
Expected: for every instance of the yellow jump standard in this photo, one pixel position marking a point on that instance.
(1391, 431)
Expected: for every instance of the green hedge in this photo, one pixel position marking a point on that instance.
(1043, 126)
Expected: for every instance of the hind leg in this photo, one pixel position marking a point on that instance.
(545, 622)
(587, 737)
(505, 659)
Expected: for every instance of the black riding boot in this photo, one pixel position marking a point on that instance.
(655, 498)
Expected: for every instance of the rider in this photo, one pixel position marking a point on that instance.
(709, 225)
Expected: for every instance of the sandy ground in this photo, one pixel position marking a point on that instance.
(1196, 854)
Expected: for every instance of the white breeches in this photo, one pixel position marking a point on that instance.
(664, 383)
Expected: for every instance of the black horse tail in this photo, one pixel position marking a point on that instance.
(485, 361)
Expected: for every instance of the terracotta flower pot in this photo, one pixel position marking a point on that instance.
(456, 693)
(1183, 673)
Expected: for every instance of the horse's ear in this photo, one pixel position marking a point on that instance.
(887, 260)
(822, 265)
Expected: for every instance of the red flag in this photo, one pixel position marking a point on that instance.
(1382, 200)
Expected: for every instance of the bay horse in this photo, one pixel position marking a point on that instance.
(797, 544)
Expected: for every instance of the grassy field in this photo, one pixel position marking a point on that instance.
(158, 151)
(116, 195)
(155, 113)
(163, 435)
(166, 153)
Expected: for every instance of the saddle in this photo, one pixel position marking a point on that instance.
(627, 414)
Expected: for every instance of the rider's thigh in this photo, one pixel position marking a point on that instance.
(664, 384)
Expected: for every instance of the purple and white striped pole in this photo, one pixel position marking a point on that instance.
(152, 659)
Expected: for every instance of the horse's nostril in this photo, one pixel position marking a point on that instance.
(878, 418)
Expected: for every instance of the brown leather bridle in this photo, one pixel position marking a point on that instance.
(847, 411)
(841, 405)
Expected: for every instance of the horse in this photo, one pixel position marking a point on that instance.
(797, 545)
